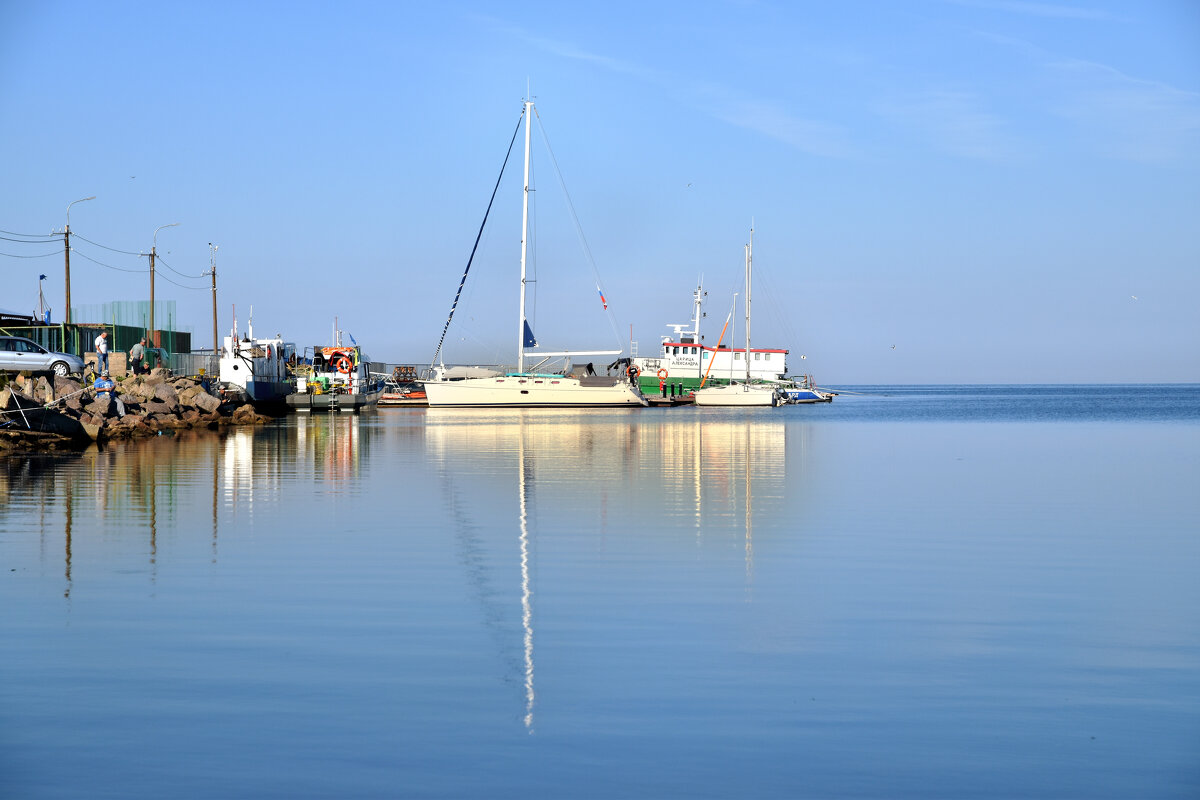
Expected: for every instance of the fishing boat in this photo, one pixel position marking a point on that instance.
(683, 359)
(257, 371)
(541, 386)
(335, 378)
(745, 393)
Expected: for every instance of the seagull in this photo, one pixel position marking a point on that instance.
(1134, 296)
(893, 347)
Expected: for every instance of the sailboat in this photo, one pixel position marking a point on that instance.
(746, 393)
(532, 388)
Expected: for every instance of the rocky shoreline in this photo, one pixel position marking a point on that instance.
(46, 413)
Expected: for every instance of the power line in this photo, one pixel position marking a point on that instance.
(181, 286)
(31, 240)
(101, 263)
(159, 260)
(28, 235)
(43, 255)
(115, 250)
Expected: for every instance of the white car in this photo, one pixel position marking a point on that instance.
(18, 354)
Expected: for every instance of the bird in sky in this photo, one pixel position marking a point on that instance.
(1134, 296)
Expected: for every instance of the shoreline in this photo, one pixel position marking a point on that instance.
(59, 413)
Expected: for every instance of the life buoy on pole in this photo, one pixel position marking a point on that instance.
(662, 374)
(344, 365)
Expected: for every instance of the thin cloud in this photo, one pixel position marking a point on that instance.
(755, 114)
(1050, 10)
(953, 121)
(768, 119)
(1130, 118)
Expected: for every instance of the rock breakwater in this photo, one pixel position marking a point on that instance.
(50, 412)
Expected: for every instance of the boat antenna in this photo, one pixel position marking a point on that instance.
(478, 236)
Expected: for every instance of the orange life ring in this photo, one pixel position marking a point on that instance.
(633, 371)
(344, 365)
(662, 374)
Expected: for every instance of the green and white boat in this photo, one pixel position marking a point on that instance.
(684, 359)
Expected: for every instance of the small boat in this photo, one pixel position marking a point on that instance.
(257, 371)
(801, 389)
(746, 393)
(403, 394)
(336, 378)
(542, 386)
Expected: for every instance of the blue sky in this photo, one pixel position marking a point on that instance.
(990, 191)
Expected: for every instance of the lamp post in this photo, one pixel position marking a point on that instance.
(153, 252)
(67, 253)
(212, 260)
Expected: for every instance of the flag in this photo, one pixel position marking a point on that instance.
(529, 341)
(351, 335)
(602, 300)
(41, 277)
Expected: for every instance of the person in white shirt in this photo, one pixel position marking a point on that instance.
(102, 350)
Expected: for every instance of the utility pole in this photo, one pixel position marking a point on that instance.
(213, 271)
(153, 252)
(67, 253)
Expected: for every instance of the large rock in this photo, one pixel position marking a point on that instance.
(155, 407)
(65, 386)
(43, 390)
(102, 407)
(166, 393)
(246, 415)
(206, 402)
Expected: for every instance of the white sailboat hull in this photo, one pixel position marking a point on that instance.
(533, 391)
(737, 394)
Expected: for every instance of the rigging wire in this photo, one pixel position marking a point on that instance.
(587, 251)
(479, 235)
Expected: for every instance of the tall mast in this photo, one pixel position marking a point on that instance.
(749, 258)
(524, 241)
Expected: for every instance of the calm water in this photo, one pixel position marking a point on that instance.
(925, 592)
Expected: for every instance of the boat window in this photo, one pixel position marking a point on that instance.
(737, 356)
(756, 356)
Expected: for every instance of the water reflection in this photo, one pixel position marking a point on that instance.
(663, 473)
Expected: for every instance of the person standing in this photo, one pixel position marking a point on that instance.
(102, 351)
(137, 355)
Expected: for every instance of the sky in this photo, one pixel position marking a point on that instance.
(941, 191)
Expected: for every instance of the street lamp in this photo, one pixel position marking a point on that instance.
(212, 256)
(153, 252)
(67, 250)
